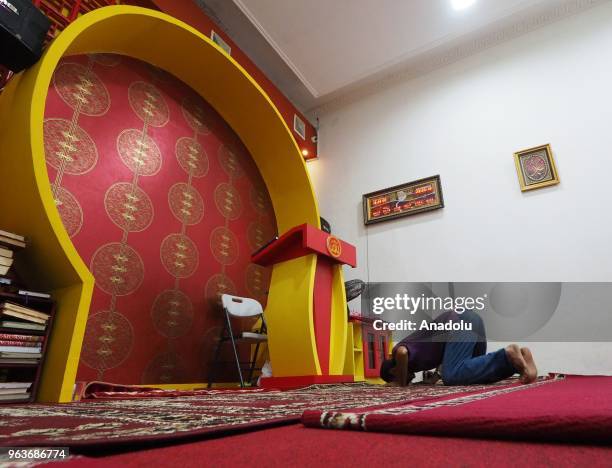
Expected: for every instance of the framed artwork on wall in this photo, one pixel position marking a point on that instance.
(403, 200)
(536, 168)
(299, 126)
(220, 42)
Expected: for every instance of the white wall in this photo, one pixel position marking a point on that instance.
(464, 122)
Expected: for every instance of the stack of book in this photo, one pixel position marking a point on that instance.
(6, 260)
(14, 390)
(8, 241)
(15, 386)
(20, 349)
(21, 317)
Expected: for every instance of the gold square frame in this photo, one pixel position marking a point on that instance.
(525, 186)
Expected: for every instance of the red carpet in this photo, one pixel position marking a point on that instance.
(299, 446)
(575, 409)
(129, 421)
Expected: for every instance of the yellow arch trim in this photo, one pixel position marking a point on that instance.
(28, 206)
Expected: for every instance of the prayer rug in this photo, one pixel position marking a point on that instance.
(158, 418)
(575, 409)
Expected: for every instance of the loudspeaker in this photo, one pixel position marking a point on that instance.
(325, 226)
(23, 28)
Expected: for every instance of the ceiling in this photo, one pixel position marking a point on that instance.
(319, 51)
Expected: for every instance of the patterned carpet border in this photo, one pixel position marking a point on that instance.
(116, 422)
(357, 420)
(572, 409)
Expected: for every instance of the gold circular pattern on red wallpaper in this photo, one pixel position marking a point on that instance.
(107, 60)
(258, 234)
(139, 152)
(179, 255)
(164, 368)
(229, 161)
(172, 313)
(186, 203)
(81, 89)
(148, 104)
(216, 285)
(117, 268)
(224, 245)
(191, 156)
(257, 281)
(197, 117)
(157, 318)
(228, 201)
(260, 201)
(68, 147)
(128, 206)
(108, 340)
(69, 210)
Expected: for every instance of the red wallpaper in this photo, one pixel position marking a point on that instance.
(165, 205)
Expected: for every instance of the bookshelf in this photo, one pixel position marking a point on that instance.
(50, 262)
(30, 372)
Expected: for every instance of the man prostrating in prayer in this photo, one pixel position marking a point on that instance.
(460, 353)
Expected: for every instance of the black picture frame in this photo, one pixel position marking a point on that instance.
(401, 200)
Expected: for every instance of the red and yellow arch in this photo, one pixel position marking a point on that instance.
(27, 203)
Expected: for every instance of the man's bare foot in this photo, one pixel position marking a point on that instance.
(527, 374)
(531, 372)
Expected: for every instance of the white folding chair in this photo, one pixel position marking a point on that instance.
(239, 307)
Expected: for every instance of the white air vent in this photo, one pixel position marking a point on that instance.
(299, 126)
(220, 42)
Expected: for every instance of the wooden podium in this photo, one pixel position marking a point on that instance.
(306, 315)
